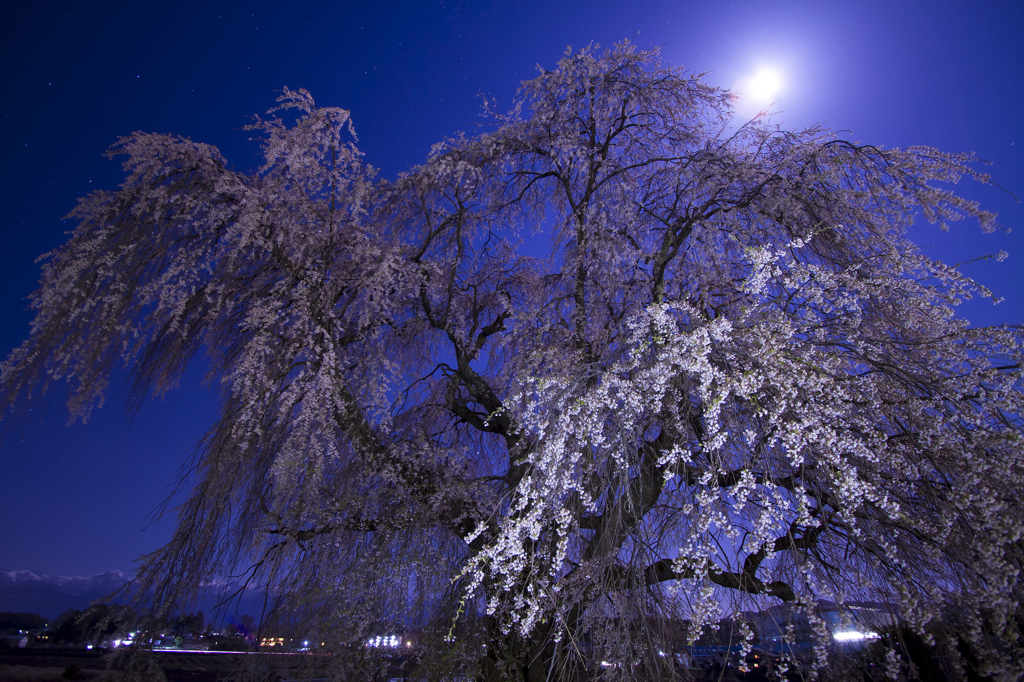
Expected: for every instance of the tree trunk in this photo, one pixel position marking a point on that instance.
(511, 658)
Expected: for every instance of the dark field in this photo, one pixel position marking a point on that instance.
(50, 665)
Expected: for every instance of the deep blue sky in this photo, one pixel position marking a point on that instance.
(73, 500)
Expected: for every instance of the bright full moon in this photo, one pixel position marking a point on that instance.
(758, 90)
(764, 85)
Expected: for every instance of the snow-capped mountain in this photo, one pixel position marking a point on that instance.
(49, 596)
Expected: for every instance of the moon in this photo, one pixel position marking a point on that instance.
(765, 84)
(760, 89)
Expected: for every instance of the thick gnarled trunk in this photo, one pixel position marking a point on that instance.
(513, 658)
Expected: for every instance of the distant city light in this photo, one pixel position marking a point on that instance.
(384, 641)
(854, 636)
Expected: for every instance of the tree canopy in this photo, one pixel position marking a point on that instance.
(614, 360)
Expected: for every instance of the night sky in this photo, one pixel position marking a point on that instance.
(76, 500)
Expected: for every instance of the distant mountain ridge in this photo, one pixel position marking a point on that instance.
(49, 596)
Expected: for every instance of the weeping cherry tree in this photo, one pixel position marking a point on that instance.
(616, 361)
